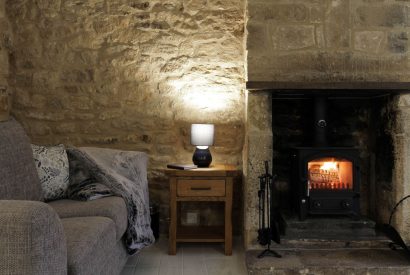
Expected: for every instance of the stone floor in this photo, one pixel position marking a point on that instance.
(330, 261)
(356, 250)
(331, 246)
(191, 259)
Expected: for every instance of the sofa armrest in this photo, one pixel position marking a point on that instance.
(32, 239)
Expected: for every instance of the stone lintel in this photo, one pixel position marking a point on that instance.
(393, 87)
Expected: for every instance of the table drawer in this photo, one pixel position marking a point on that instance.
(201, 188)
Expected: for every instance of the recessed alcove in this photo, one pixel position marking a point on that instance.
(370, 120)
(360, 122)
(375, 122)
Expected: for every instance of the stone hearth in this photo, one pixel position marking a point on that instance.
(330, 261)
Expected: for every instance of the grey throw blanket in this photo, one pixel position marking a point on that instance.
(98, 172)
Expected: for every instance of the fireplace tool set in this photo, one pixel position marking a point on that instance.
(268, 216)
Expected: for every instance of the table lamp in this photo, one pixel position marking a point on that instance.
(202, 136)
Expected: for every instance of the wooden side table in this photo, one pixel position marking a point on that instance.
(214, 184)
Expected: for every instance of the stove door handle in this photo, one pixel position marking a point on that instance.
(307, 184)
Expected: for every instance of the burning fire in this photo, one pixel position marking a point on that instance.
(330, 173)
(329, 165)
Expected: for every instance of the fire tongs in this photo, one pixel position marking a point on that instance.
(267, 231)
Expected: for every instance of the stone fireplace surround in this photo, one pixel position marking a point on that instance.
(260, 145)
(331, 41)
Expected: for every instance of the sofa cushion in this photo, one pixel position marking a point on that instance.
(52, 168)
(110, 207)
(90, 243)
(19, 179)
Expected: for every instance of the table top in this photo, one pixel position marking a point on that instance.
(216, 170)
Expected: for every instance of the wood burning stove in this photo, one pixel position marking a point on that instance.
(325, 179)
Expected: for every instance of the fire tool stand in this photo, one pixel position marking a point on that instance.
(267, 227)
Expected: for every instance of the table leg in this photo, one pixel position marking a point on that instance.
(173, 216)
(228, 216)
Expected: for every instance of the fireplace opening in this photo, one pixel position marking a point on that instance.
(332, 153)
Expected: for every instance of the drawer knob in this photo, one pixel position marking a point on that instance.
(200, 188)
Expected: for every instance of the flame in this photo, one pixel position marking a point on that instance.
(329, 165)
(330, 173)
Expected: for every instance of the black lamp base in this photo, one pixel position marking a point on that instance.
(202, 157)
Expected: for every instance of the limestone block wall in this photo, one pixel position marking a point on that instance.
(258, 149)
(328, 40)
(401, 175)
(5, 50)
(131, 74)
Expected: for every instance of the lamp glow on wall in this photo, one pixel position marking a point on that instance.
(205, 94)
(202, 136)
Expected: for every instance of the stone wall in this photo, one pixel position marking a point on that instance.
(400, 131)
(258, 148)
(131, 74)
(5, 50)
(328, 40)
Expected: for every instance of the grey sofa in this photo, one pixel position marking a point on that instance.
(60, 237)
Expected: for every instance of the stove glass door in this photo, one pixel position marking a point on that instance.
(330, 174)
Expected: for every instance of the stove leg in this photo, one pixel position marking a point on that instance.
(302, 210)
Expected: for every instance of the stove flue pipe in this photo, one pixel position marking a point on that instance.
(320, 121)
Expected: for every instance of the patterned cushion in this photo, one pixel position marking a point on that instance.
(52, 168)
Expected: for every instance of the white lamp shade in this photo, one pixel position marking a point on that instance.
(202, 134)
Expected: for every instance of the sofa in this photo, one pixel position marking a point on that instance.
(58, 237)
